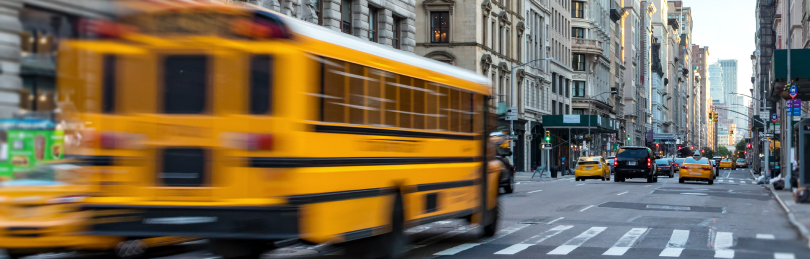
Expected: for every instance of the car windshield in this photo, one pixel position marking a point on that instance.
(662, 162)
(740, 160)
(726, 160)
(679, 161)
(701, 161)
(632, 152)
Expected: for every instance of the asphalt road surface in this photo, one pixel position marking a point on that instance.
(734, 218)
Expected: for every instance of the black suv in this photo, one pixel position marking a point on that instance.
(635, 162)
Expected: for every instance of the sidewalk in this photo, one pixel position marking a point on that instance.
(527, 176)
(798, 214)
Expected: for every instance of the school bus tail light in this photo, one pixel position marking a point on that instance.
(260, 142)
(120, 140)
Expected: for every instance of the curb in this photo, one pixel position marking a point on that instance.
(791, 217)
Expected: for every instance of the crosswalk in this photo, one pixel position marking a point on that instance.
(593, 241)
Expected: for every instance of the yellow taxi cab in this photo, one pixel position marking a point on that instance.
(726, 163)
(696, 169)
(592, 167)
(40, 213)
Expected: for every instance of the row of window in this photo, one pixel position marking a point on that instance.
(373, 20)
(557, 108)
(501, 37)
(355, 94)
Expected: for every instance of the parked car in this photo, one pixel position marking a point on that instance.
(741, 163)
(610, 163)
(635, 162)
(665, 167)
(696, 170)
(591, 167)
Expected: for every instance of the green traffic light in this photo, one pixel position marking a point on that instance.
(548, 139)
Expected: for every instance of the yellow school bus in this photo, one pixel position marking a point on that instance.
(244, 126)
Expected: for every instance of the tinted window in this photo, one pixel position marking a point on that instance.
(662, 162)
(185, 84)
(261, 71)
(632, 153)
(679, 161)
(588, 163)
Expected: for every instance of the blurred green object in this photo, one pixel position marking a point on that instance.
(26, 142)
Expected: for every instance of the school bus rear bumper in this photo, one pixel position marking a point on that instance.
(244, 222)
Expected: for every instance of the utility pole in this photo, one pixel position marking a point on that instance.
(789, 125)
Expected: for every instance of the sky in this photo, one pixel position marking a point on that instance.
(728, 28)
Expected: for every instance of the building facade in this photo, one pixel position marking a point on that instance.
(700, 56)
(716, 83)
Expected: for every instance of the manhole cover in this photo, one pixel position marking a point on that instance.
(289, 252)
(695, 193)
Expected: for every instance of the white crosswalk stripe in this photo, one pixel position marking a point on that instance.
(503, 232)
(723, 241)
(577, 241)
(534, 240)
(676, 243)
(766, 236)
(783, 256)
(626, 242)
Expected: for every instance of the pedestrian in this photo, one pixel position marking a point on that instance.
(794, 175)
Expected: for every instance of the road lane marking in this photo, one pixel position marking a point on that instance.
(627, 241)
(463, 247)
(647, 185)
(551, 222)
(783, 256)
(580, 184)
(731, 181)
(676, 243)
(622, 193)
(719, 181)
(765, 236)
(722, 242)
(457, 249)
(535, 191)
(586, 208)
(514, 249)
(577, 241)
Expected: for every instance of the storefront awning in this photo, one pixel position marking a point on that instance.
(598, 124)
(799, 70)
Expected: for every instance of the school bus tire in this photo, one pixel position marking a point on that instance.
(11, 254)
(235, 248)
(391, 245)
(492, 227)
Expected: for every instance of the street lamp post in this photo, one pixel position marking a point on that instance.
(512, 122)
(590, 144)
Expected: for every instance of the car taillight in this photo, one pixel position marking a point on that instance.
(666, 167)
(649, 164)
(684, 167)
(616, 162)
(707, 168)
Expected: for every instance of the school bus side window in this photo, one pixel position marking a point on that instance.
(261, 84)
(355, 94)
(185, 84)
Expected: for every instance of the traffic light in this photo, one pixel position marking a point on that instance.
(749, 145)
(692, 147)
(656, 145)
(628, 137)
(731, 132)
(715, 116)
(711, 117)
(548, 136)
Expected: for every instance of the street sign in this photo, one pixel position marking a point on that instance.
(797, 107)
(512, 118)
(774, 117)
(793, 91)
(512, 111)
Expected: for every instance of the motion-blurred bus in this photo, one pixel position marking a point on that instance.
(244, 126)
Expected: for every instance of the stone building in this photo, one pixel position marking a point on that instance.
(700, 57)
(636, 53)
(30, 32)
(487, 38)
(387, 22)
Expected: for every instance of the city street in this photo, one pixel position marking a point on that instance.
(734, 218)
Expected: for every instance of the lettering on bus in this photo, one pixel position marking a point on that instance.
(390, 145)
